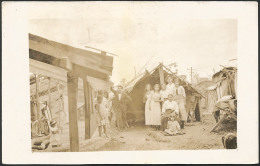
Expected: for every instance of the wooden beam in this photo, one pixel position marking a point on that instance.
(87, 109)
(49, 92)
(78, 56)
(84, 72)
(48, 70)
(37, 97)
(161, 74)
(220, 121)
(73, 120)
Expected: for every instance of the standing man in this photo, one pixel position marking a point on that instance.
(120, 105)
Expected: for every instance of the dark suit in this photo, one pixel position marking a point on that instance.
(120, 107)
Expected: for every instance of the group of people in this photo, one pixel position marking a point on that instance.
(165, 106)
(111, 107)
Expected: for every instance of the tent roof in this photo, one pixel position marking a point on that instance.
(131, 84)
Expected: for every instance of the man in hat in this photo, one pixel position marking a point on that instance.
(170, 87)
(120, 102)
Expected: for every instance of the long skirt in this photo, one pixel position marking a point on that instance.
(148, 114)
(155, 113)
(182, 110)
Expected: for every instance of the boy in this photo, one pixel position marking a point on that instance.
(101, 116)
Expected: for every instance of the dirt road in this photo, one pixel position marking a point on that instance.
(197, 136)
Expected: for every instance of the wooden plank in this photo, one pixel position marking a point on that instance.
(78, 56)
(98, 84)
(87, 109)
(220, 121)
(73, 120)
(84, 72)
(38, 67)
(161, 74)
(49, 92)
(37, 97)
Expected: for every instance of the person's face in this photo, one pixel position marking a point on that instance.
(163, 87)
(169, 79)
(177, 84)
(120, 89)
(156, 88)
(172, 118)
(170, 98)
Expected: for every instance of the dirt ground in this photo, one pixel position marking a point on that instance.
(197, 136)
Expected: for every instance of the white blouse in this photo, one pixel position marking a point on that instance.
(170, 88)
(170, 105)
(164, 94)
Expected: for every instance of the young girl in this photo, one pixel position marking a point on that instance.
(155, 107)
(147, 99)
(173, 127)
(101, 116)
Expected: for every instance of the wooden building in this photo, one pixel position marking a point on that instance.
(71, 66)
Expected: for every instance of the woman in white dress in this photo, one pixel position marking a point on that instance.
(147, 98)
(155, 107)
(180, 98)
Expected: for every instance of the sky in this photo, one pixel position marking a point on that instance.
(140, 37)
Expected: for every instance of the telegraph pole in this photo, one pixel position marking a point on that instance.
(191, 72)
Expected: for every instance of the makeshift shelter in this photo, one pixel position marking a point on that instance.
(225, 83)
(223, 95)
(136, 89)
(76, 68)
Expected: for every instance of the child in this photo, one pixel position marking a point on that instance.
(101, 116)
(54, 134)
(173, 127)
(168, 108)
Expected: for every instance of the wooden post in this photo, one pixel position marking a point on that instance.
(73, 120)
(37, 97)
(49, 92)
(161, 75)
(87, 108)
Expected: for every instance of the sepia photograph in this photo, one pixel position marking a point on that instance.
(177, 94)
(133, 80)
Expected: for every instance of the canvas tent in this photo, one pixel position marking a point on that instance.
(135, 88)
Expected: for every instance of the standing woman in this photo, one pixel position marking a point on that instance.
(180, 98)
(155, 107)
(147, 99)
